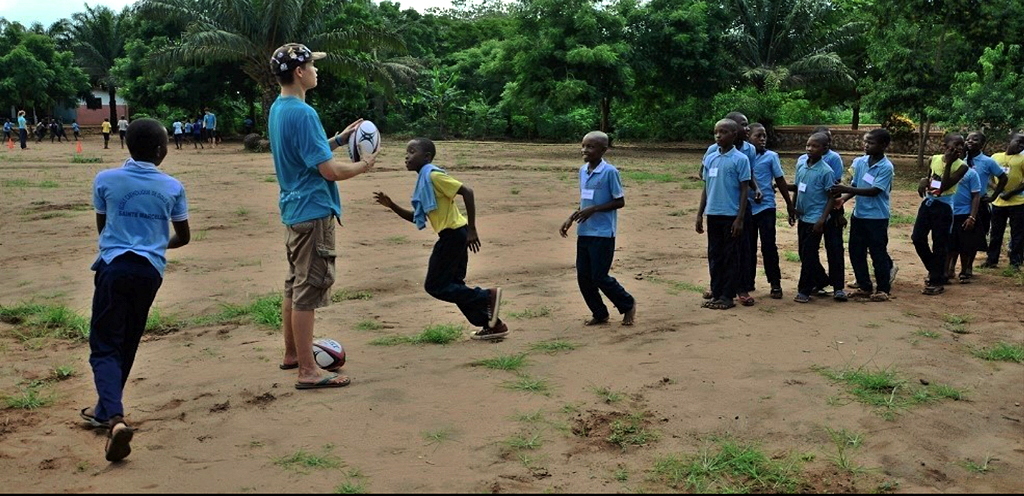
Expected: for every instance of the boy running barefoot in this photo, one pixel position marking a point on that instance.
(601, 196)
(433, 199)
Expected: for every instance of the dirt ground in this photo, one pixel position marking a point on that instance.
(215, 414)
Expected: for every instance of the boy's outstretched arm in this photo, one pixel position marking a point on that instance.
(472, 239)
(181, 235)
(385, 200)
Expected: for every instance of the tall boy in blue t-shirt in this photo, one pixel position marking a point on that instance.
(601, 196)
(726, 173)
(987, 170)
(766, 170)
(813, 201)
(134, 205)
(963, 241)
(871, 183)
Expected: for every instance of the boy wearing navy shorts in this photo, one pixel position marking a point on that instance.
(433, 200)
(726, 174)
(601, 197)
(134, 205)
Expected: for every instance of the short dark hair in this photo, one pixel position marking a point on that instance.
(882, 135)
(822, 129)
(144, 137)
(952, 136)
(426, 145)
(756, 125)
(984, 139)
(819, 137)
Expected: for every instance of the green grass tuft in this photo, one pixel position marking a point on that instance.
(731, 468)
(345, 295)
(608, 395)
(791, 256)
(529, 313)
(29, 398)
(529, 385)
(438, 334)
(34, 321)
(631, 432)
(553, 346)
(503, 362)
(264, 310)
(1003, 352)
(887, 391)
(369, 325)
(302, 460)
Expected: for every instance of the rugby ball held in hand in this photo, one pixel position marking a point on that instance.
(365, 140)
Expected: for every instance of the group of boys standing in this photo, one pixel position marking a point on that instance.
(738, 198)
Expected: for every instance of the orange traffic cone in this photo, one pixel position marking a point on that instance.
(78, 147)
(10, 144)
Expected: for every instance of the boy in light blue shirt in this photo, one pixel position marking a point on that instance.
(726, 174)
(813, 201)
(767, 172)
(134, 205)
(987, 170)
(601, 197)
(871, 183)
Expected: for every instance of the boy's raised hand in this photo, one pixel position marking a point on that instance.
(383, 199)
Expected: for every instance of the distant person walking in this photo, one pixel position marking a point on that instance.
(105, 128)
(210, 126)
(22, 129)
(122, 128)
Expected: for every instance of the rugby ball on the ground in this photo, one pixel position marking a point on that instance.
(328, 353)
(365, 140)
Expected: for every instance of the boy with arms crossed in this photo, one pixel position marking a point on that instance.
(601, 196)
(133, 204)
(871, 183)
(433, 199)
(726, 174)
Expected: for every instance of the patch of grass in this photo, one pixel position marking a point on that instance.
(791, 256)
(35, 321)
(438, 436)
(81, 159)
(515, 191)
(270, 179)
(242, 211)
(529, 313)
(729, 468)
(844, 442)
(396, 240)
(264, 310)
(1014, 273)
(553, 346)
(49, 184)
(199, 235)
(957, 323)
(887, 391)
(675, 287)
(680, 213)
(529, 385)
(608, 395)
(29, 398)
(63, 372)
(157, 322)
(369, 325)
(302, 460)
(926, 333)
(979, 468)
(503, 362)
(390, 340)
(437, 334)
(351, 487)
(656, 177)
(902, 219)
(631, 432)
(1003, 352)
(16, 183)
(872, 325)
(347, 294)
(530, 418)
(621, 475)
(525, 441)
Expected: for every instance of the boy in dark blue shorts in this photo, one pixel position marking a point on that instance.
(726, 173)
(433, 200)
(134, 205)
(601, 196)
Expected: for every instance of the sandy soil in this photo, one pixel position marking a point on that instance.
(214, 413)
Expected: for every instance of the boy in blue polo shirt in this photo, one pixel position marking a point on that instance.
(964, 238)
(766, 170)
(836, 222)
(987, 169)
(601, 196)
(134, 205)
(726, 173)
(935, 215)
(813, 202)
(869, 227)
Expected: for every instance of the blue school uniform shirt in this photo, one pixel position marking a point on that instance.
(968, 185)
(832, 159)
(7, 126)
(597, 188)
(986, 169)
(812, 184)
(298, 144)
(723, 173)
(74, 126)
(210, 121)
(877, 175)
(747, 149)
(139, 201)
(766, 168)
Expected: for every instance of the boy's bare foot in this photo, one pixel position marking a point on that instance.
(627, 319)
(596, 321)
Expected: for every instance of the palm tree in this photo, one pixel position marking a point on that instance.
(99, 35)
(245, 33)
(790, 42)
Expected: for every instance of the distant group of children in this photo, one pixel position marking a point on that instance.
(966, 197)
(53, 126)
(203, 129)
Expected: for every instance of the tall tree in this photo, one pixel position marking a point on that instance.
(244, 33)
(99, 40)
(992, 98)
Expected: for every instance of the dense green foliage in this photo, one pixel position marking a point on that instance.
(545, 69)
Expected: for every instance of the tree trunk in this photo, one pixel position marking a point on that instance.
(112, 91)
(924, 129)
(856, 115)
(605, 107)
(267, 96)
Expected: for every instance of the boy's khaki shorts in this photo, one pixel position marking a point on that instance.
(311, 254)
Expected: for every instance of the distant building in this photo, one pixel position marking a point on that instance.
(92, 111)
